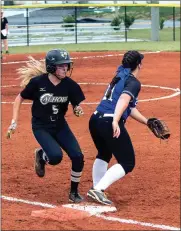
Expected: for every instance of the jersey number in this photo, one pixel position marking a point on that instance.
(55, 109)
(110, 98)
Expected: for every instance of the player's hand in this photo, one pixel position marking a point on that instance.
(116, 129)
(78, 111)
(11, 129)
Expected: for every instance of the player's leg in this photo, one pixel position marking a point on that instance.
(100, 165)
(104, 155)
(50, 151)
(5, 41)
(68, 142)
(124, 153)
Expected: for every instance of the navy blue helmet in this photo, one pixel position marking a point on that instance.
(55, 57)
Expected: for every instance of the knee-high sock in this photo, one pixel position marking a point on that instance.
(113, 174)
(75, 180)
(98, 170)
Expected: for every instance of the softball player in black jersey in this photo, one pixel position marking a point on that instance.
(51, 91)
(107, 127)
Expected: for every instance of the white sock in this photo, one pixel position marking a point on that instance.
(98, 170)
(113, 174)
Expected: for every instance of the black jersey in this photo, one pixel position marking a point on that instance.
(50, 102)
(4, 21)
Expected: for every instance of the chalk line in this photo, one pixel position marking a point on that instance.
(84, 57)
(94, 210)
(176, 92)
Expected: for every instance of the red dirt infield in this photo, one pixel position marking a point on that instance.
(151, 193)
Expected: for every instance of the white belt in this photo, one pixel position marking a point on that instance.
(104, 115)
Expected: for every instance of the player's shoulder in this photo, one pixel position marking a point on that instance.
(70, 81)
(133, 80)
(39, 78)
(133, 83)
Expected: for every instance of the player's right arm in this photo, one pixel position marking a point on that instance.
(130, 91)
(121, 106)
(16, 109)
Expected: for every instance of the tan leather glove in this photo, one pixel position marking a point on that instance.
(78, 111)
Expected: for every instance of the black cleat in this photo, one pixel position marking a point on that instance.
(99, 196)
(75, 197)
(39, 163)
(7, 52)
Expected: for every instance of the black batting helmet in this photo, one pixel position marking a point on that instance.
(132, 59)
(55, 57)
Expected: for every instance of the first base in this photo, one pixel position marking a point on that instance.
(60, 214)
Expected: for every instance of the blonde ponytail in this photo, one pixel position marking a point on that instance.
(32, 69)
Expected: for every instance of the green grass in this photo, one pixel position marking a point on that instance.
(145, 12)
(142, 46)
(138, 12)
(165, 35)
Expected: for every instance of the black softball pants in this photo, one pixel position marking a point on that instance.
(3, 37)
(102, 134)
(52, 140)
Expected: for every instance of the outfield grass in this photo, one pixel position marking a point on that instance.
(142, 46)
(140, 12)
(165, 35)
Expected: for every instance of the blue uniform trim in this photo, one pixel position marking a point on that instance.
(128, 84)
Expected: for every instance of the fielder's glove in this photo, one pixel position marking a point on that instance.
(159, 128)
(78, 111)
(11, 129)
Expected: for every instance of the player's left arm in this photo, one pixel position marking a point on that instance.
(76, 97)
(135, 114)
(6, 26)
(121, 106)
(78, 111)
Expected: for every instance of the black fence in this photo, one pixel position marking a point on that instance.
(53, 25)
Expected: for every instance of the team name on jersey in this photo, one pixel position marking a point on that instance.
(49, 98)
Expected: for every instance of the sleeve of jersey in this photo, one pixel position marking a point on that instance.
(76, 94)
(6, 21)
(29, 91)
(132, 88)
